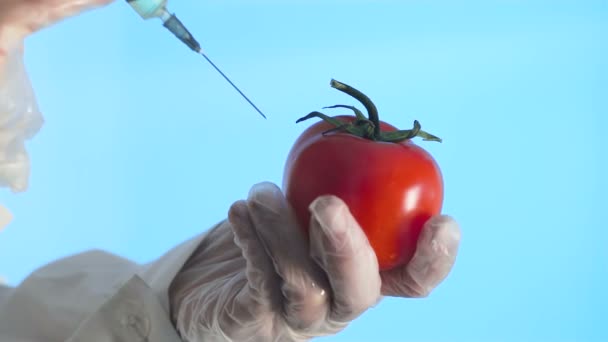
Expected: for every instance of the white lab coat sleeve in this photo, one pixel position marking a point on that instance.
(94, 297)
(5, 292)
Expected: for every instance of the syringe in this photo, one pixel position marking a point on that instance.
(158, 9)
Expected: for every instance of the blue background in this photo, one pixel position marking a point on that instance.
(145, 145)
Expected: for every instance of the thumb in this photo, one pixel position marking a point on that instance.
(435, 255)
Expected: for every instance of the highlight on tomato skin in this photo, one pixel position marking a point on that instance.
(391, 187)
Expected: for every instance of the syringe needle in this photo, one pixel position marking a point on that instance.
(157, 8)
(232, 84)
(181, 32)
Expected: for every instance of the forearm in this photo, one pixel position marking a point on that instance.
(94, 296)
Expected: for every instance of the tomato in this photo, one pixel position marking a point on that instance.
(391, 187)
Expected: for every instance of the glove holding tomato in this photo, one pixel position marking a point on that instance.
(259, 277)
(282, 268)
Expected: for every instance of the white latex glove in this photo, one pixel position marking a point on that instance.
(20, 118)
(256, 278)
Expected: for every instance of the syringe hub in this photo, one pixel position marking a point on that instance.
(158, 9)
(181, 32)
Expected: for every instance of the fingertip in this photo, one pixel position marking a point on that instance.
(325, 201)
(264, 184)
(266, 197)
(264, 187)
(330, 214)
(237, 212)
(442, 220)
(432, 262)
(327, 206)
(443, 228)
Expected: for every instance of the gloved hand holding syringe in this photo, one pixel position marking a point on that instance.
(158, 9)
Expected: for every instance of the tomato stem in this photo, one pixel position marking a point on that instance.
(372, 111)
(369, 127)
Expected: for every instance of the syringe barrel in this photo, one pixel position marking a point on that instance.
(148, 8)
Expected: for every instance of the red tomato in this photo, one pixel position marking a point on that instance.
(391, 188)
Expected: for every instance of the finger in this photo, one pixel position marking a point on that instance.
(18, 19)
(263, 282)
(304, 286)
(32, 16)
(62, 9)
(435, 255)
(340, 246)
(58, 10)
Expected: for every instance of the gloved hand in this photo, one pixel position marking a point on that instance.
(20, 118)
(255, 277)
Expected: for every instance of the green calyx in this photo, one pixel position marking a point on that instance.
(366, 127)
